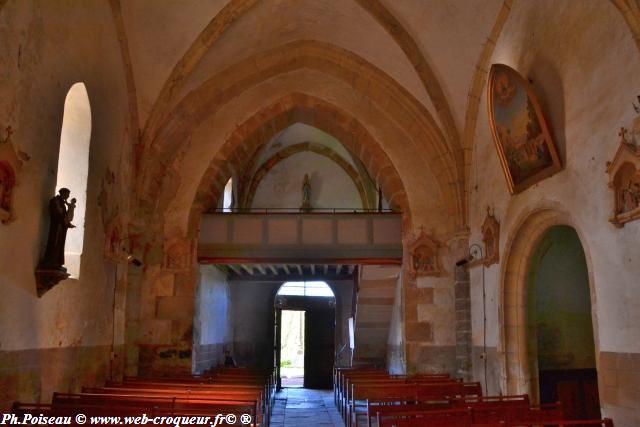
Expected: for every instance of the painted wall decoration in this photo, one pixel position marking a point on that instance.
(624, 177)
(525, 147)
(424, 256)
(179, 255)
(491, 239)
(10, 166)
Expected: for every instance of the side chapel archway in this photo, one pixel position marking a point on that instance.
(519, 361)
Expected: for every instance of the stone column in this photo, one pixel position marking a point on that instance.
(463, 323)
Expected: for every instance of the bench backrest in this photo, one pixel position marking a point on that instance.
(377, 391)
(447, 418)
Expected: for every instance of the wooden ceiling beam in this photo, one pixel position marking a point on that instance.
(235, 269)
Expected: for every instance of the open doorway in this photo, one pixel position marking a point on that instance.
(292, 348)
(305, 334)
(559, 315)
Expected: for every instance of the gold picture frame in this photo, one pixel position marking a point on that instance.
(525, 147)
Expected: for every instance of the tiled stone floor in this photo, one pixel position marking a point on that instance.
(305, 407)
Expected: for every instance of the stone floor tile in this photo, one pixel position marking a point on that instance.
(300, 407)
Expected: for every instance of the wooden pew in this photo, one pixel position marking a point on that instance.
(362, 392)
(483, 413)
(347, 377)
(606, 422)
(485, 410)
(339, 372)
(222, 394)
(237, 391)
(514, 416)
(445, 418)
(388, 405)
(375, 388)
(109, 405)
(265, 398)
(422, 391)
(219, 381)
(344, 396)
(109, 409)
(20, 408)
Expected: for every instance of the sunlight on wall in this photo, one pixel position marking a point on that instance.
(227, 197)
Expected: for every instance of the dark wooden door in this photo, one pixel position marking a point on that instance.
(577, 389)
(277, 343)
(319, 341)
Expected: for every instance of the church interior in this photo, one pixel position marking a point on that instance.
(321, 212)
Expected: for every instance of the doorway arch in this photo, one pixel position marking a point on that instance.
(519, 357)
(316, 300)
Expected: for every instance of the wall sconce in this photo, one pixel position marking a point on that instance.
(475, 254)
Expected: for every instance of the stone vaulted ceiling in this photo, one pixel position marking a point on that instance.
(449, 35)
(414, 63)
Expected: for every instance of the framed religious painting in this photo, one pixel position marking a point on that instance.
(521, 135)
(425, 256)
(624, 177)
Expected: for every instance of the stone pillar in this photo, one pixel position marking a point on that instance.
(463, 323)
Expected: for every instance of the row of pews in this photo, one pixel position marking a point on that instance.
(227, 391)
(371, 397)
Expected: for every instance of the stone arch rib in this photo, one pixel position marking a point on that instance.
(476, 91)
(134, 121)
(427, 76)
(223, 20)
(630, 10)
(236, 9)
(518, 375)
(297, 108)
(425, 137)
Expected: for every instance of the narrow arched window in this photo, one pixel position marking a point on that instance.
(227, 196)
(73, 168)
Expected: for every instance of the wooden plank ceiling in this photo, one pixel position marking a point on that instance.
(288, 272)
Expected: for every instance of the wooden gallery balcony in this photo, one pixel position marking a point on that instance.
(329, 236)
